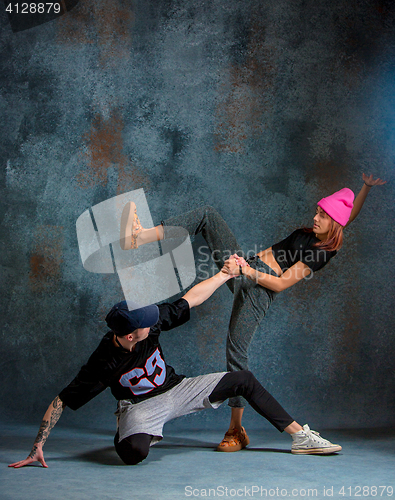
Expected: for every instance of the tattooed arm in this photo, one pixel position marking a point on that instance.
(50, 418)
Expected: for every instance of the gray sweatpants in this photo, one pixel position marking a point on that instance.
(149, 416)
(250, 301)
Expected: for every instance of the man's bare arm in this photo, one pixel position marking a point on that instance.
(203, 290)
(50, 418)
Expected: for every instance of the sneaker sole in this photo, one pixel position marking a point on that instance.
(317, 451)
(238, 447)
(126, 226)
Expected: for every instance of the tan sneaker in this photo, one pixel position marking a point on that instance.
(234, 440)
(130, 227)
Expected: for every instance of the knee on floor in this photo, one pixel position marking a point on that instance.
(133, 449)
(132, 455)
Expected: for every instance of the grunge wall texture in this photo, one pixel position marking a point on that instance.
(258, 108)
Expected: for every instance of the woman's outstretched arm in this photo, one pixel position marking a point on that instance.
(289, 278)
(368, 183)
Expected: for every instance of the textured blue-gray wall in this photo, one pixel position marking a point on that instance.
(259, 108)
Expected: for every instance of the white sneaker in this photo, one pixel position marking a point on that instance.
(310, 442)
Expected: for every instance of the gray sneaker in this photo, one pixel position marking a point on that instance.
(309, 442)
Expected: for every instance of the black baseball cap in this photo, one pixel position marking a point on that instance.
(122, 321)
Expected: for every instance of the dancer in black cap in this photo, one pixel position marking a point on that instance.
(130, 361)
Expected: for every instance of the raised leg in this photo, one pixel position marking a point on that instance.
(206, 220)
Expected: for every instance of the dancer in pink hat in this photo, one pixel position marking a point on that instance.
(261, 277)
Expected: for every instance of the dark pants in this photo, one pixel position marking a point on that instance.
(251, 300)
(134, 449)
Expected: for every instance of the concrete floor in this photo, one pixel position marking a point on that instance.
(83, 465)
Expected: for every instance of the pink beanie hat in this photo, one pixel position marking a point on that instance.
(338, 205)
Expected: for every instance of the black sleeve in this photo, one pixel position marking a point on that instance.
(172, 315)
(82, 389)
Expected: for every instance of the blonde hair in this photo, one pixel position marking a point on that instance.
(334, 240)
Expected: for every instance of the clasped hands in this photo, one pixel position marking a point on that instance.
(232, 264)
